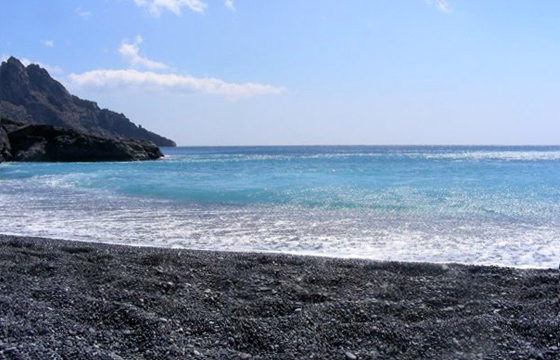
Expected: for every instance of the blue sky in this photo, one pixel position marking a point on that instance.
(241, 72)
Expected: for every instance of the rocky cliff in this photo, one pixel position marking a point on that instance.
(29, 94)
(31, 142)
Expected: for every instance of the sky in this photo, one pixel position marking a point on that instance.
(292, 72)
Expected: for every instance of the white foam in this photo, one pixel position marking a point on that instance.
(27, 208)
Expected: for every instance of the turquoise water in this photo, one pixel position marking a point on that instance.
(483, 205)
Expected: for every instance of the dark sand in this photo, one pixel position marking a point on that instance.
(70, 300)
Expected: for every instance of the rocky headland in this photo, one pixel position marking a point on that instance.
(31, 143)
(28, 94)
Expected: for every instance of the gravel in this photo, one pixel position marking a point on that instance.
(71, 300)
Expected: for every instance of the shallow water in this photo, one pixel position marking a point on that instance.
(481, 205)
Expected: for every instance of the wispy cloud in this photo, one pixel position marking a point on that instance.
(159, 77)
(155, 7)
(151, 81)
(229, 4)
(48, 43)
(130, 53)
(84, 14)
(440, 4)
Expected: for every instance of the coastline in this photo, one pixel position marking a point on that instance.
(99, 301)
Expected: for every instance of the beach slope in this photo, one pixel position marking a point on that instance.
(71, 300)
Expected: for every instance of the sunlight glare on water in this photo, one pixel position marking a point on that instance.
(482, 205)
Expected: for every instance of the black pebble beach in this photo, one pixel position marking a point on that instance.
(71, 300)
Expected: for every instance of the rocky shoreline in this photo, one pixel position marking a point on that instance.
(38, 143)
(71, 300)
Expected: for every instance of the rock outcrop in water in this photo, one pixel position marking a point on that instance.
(29, 94)
(29, 142)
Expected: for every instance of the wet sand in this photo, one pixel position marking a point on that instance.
(72, 300)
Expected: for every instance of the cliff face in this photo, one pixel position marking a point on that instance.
(29, 94)
(30, 142)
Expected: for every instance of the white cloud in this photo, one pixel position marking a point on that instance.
(441, 4)
(48, 43)
(229, 4)
(130, 54)
(155, 7)
(151, 81)
(84, 14)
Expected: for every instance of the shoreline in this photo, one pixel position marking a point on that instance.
(103, 301)
(281, 253)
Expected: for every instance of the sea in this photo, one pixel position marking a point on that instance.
(489, 205)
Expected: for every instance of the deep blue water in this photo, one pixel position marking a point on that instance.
(484, 205)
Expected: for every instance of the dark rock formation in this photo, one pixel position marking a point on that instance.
(5, 147)
(29, 94)
(29, 142)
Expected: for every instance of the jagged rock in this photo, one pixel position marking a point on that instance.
(29, 94)
(28, 142)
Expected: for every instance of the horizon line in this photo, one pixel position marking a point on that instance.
(358, 145)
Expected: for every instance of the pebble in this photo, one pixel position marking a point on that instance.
(193, 326)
